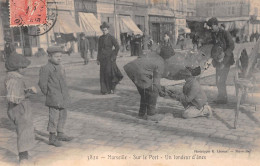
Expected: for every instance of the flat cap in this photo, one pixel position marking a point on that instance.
(212, 21)
(54, 49)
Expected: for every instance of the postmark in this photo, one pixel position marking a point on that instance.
(27, 12)
(51, 18)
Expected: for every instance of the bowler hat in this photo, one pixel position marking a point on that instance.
(212, 21)
(104, 25)
(16, 61)
(54, 49)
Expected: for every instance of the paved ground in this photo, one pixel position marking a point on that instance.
(108, 125)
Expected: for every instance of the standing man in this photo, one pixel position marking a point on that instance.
(83, 48)
(106, 58)
(224, 40)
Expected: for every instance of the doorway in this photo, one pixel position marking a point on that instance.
(156, 32)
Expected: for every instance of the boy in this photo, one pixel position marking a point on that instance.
(53, 85)
(193, 98)
(19, 110)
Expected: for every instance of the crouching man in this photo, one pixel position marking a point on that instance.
(146, 72)
(193, 98)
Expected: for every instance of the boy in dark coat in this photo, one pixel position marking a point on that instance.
(19, 109)
(193, 98)
(53, 85)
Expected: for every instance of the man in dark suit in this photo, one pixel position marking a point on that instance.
(224, 40)
(106, 57)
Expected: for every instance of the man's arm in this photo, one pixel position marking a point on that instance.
(230, 45)
(116, 45)
(43, 80)
(99, 49)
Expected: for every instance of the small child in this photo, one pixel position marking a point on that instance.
(193, 98)
(19, 109)
(53, 85)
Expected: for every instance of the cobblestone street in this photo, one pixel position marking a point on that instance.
(104, 125)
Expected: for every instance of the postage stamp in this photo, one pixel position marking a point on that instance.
(27, 12)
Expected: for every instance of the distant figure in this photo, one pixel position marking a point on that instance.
(222, 26)
(92, 46)
(181, 41)
(40, 53)
(9, 48)
(83, 48)
(110, 75)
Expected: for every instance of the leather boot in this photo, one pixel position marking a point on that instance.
(63, 137)
(54, 141)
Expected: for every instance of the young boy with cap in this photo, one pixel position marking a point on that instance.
(19, 110)
(53, 85)
(193, 98)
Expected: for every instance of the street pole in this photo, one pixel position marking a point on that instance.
(115, 18)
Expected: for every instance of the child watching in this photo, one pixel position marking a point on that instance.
(19, 109)
(53, 85)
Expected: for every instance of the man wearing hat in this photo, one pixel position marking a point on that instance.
(224, 40)
(106, 57)
(52, 83)
(83, 48)
(19, 110)
(193, 98)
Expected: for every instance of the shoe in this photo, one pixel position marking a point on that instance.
(64, 137)
(220, 101)
(144, 117)
(156, 117)
(207, 111)
(112, 92)
(54, 141)
(23, 156)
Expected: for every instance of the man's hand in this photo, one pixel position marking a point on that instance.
(98, 63)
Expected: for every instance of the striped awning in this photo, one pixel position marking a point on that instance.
(90, 24)
(66, 24)
(127, 25)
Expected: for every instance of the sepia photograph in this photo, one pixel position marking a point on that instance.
(129, 82)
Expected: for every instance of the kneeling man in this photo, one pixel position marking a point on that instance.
(193, 98)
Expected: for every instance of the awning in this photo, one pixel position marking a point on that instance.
(66, 24)
(240, 24)
(183, 30)
(89, 24)
(127, 25)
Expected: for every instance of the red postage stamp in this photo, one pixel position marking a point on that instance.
(27, 12)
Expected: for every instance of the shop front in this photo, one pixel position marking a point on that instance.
(160, 24)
